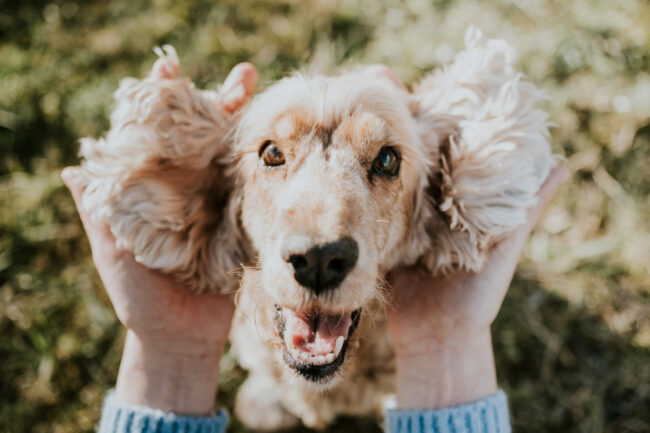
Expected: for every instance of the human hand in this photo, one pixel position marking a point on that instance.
(441, 324)
(175, 338)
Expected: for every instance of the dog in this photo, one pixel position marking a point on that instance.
(306, 199)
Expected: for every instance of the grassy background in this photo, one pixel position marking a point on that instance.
(573, 338)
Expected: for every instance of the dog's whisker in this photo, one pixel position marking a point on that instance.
(243, 152)
(256, 323)
(237, 297)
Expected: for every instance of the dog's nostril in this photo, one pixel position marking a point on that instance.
(336, 265)
(298, 261)
(324, 267)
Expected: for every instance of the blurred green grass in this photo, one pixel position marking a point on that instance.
(573, 338)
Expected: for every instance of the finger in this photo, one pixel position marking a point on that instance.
(556, 178)
(508, 250)
(69, 175)
(167, 65)
(95, 232)
(238, 87)
(386, 72)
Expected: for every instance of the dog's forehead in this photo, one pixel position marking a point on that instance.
(353, 125)
(353, 105)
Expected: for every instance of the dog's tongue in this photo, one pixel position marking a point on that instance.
(316, 335)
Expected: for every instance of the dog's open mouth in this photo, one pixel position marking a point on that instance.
(314, 343)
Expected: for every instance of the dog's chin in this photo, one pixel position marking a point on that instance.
(314, 343)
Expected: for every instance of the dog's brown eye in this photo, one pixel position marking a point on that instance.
(271, 155)
(387, 162)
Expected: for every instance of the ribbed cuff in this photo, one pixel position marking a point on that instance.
(120, 417)
(489, 415)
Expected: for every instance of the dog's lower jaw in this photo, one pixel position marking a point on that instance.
(316, 368)
(274, 396)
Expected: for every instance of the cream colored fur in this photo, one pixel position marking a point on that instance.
(190, 197)
(159, 180)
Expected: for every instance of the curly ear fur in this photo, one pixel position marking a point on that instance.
(159, 179)
(489, 145)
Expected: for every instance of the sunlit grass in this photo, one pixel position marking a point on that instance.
(573, 339)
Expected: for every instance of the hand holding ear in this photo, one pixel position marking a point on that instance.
(175, 337)
(441, 324)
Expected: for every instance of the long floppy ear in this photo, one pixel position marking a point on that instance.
(488, 143)
(160, 178)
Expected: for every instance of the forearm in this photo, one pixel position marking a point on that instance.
(436, 374)
(181, 377)
(445, 372)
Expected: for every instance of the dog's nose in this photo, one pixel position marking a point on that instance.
(324, 267)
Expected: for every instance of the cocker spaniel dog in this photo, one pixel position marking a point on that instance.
(308, 196)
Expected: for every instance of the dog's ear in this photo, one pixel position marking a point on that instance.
(161, 180)
(488, 144)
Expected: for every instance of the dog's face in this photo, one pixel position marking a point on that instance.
(331, 167)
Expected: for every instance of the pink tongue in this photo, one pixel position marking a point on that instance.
(316, 335)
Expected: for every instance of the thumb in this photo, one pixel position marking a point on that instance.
(506, 253)
(238, 87)
(556, 178)
(384, 71)
(96, 233)
(69, 175)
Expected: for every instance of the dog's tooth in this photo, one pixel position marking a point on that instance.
(313, 359)
(339, 345)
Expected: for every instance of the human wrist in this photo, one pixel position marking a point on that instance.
(443, 371)
(173, 376)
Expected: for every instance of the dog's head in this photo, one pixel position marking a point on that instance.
(331, 167)
(347, 177)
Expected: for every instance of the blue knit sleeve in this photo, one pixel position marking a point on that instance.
(119, 417)
(489, 415)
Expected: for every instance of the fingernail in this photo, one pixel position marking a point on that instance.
(232, 79)
(68, 174)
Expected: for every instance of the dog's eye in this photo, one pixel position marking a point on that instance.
(271, 155)
(387, 162)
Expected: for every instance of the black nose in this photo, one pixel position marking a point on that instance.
(323, 267)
